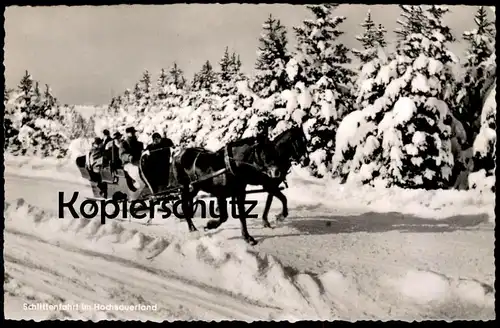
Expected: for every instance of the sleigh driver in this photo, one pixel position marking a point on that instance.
(130, 153)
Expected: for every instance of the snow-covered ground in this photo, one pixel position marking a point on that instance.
(345, 252)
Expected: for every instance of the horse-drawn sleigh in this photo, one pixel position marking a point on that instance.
(222, 174)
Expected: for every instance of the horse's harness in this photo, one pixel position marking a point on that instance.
(228, 165)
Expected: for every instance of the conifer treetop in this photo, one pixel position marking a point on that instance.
(371, 39)
(272, 55)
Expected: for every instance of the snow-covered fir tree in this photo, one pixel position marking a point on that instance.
(50, 105)
(205, 79)
(7, 94)
(10, 132)
(76, 125)
(319, 70)
(224, 64)
(484, 147)
(170, 87)
(272, 55)
(128, 96)
(26, 99)
(230, 74)
(146, 93)
(476, 76)
(235, 67)
(161, 85)
(371, 58)
(412, 21)
(372, 38)
(137, 92)
(116, 103)
(405, 137)
(319, 53)
(244, 114)
(176, 84)
(200, 109)
(176, 77)
(34, 126)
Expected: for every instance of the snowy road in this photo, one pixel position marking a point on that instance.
(62, 272)
(68, 273)
(323, 262)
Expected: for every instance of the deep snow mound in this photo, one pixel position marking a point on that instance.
(433, 204)
(237, 269)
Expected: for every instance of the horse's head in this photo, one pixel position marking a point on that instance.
(267, 158)
(291, 145)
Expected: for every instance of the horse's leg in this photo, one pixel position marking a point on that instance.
(223, 215)
(187, 208)
(269, 201)
(275, 191)
(242, 216)
(284, 202)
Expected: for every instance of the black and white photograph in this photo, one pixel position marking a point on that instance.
(249, 162)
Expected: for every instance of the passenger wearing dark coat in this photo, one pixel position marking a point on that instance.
(130, 154)
(155, 166)
(113, 149)
(95, 155)
(107, 137)
(131, 148)
(107, 155)
(159, 142)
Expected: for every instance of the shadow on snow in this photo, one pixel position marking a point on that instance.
(373, 222)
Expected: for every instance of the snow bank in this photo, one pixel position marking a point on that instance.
(260, 278)
(45, 167)
(478, 180)
(79, 147)
(428, 289)
(433, 204)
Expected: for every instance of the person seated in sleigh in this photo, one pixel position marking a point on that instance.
(94, 162)
(130, 152)
(113, 149)
(158, 142)
(155, 162)
(95, 156)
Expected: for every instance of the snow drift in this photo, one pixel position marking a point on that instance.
(260, 278)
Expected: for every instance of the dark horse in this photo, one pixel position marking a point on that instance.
(290, 146)
(243, 162)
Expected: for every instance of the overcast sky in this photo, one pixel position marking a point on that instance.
(87, 54)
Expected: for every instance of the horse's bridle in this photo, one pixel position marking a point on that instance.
(295, 156)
